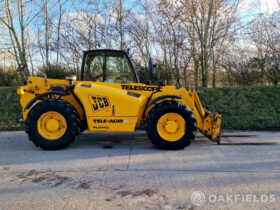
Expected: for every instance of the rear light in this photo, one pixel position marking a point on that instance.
(20, 91)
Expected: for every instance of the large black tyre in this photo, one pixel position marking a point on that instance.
(171, 107)
(53, 105)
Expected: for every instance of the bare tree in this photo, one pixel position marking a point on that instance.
(17, 38)
(211, 21)
(47, 32)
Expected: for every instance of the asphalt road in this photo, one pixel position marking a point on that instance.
(124, 171)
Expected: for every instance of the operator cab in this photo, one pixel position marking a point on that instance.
(110, 66)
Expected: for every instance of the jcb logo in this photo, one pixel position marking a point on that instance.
(99, 103)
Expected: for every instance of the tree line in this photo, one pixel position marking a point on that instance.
(194, 42)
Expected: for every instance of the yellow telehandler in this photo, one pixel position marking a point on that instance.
(108, 97)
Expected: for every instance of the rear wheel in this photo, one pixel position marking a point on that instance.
(171, 125)
(52, 124)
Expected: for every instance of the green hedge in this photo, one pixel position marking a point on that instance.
(256, 108)
(241, 108)
(10, 110)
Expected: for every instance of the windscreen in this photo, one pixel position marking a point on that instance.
(108, 67)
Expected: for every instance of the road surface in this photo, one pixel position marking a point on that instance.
(124, 171)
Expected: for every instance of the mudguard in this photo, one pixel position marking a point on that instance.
(160, 98)
(43, 96)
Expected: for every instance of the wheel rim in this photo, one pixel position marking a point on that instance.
(171, 127)
(51, 125)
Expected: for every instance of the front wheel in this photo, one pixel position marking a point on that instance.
(52, 124)
(171, 125)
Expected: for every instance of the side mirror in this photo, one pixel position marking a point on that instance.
(152, 67)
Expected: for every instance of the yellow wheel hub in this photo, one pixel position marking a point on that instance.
(171, 127)
(51, 125)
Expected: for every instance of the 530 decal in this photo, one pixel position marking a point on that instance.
(99, 102)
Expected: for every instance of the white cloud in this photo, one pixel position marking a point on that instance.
(259, 6)
(268, 6)
(248, 9)
(246, 5)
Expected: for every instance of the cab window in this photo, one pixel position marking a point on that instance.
(108, 67)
